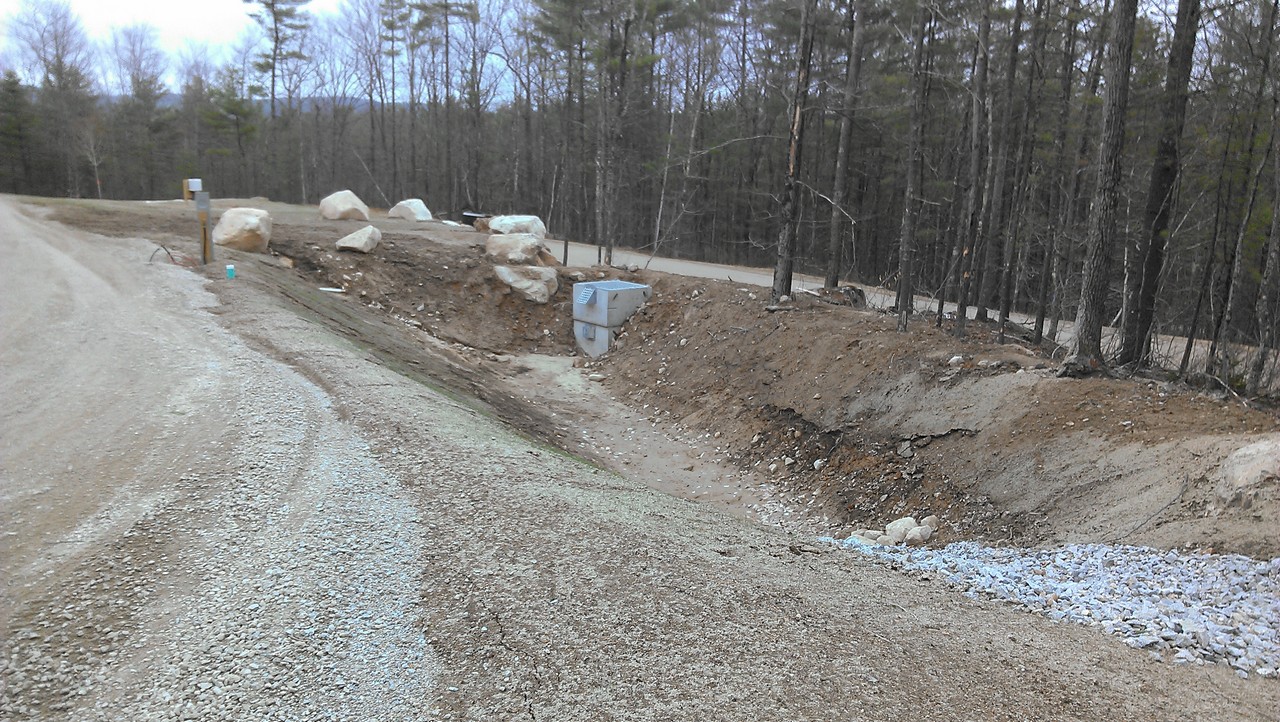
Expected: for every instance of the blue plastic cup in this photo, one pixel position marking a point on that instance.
(231, 271)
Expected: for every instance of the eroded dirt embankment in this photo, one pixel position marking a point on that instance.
(882, 423)
(831, 404)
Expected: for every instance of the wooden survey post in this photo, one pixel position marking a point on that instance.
(202, 212)
(190, 187)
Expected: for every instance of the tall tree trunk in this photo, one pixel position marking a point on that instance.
(979, 131)
(915, 169)
(449, 175)
(1224, 190)
(1086, 347)
(1135, 339)
(782, 271)
(1265, 310)
(1022, 169)
(1067, 254)
(1048, 269)
(950, 281)
(393, 185)
(1000, 139)
(1251, 196)
(852, 76)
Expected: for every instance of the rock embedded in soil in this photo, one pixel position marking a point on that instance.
(919, 536)
(532, 283)
(513, 248)
(362, 241)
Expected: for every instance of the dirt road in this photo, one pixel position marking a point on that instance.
(215, 508)
(190, 530)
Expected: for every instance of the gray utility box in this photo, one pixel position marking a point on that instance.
(595, 341)
(608, 303)
(599, 310)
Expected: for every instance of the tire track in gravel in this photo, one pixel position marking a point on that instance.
(275, 578)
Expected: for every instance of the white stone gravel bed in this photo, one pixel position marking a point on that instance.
(1188, 608)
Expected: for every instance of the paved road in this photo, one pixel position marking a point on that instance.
(1168, 349)
(585, 255)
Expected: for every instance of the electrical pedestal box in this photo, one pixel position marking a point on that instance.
(599, 310)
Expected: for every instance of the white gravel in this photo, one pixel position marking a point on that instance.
(1190, 608)
(281, 586)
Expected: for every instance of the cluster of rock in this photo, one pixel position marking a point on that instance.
(1189, 608)
(521, 260)
(901, 531)
(525, 265)
(346, 205)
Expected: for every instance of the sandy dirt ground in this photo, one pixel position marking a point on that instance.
(253, 499)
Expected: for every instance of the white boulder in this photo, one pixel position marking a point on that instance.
(897, 530)
(932, 521)
(532, 283)
(411, 209)
(518, 224)
(364, 240)
(518, 248)
(344, 205)
(244, 229)
(1250, 473)
(918, 536)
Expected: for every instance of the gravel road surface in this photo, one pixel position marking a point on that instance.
(214, 508)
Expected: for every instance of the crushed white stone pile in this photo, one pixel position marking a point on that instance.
(1191, 608)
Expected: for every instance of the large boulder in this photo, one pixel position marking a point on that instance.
(897, 530)
(344, 205)
(364, 240)
(244, 229)
(518, 224)
(412, 209)
(518, 248)
(918, 536)
(532, 283)
(1251, 474)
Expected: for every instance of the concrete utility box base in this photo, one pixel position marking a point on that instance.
(594, 340)
(599, 310)
(608, 303)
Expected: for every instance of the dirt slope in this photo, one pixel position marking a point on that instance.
(1000, 447)
(546, 588)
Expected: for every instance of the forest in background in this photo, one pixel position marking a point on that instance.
(1102, 161)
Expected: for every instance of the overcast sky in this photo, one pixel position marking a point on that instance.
(216, 22)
